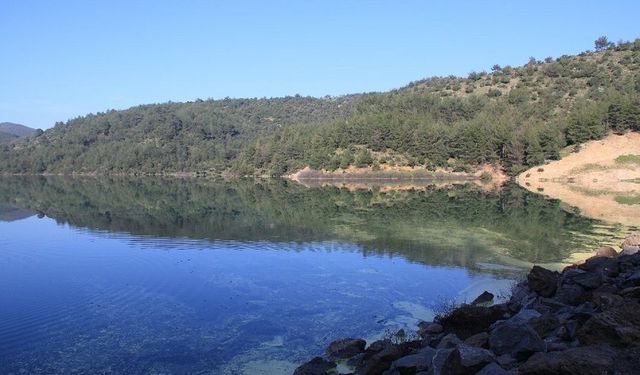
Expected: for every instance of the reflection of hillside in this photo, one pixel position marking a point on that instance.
(461, 226)
(13, 213)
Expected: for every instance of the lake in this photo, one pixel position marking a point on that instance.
(194, 276)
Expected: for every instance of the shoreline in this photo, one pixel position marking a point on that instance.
(580, 321)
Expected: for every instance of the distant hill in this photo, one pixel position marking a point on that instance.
(16, 129)
(515, 117)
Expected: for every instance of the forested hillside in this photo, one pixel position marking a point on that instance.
(513, 116)
(6, 137)
(171, 137)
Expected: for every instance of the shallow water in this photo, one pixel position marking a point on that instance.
(189, 276)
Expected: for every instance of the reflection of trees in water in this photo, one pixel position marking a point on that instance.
(459, 226)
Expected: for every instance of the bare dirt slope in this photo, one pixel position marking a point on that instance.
(602, 179)
(488, 177)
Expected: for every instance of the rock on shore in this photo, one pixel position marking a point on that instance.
(584, 320)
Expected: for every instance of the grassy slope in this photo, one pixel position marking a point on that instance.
(600, 179)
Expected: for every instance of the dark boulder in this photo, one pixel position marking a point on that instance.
(379, 345)
(494, 369)
(480, 340)
(346, 348)
(589, 280)
(618, 326)
(632, 280)
(429, 328)
(447, 362)
(556, 345)
(571, 294)
(632, 292)
(627, 263)
(575, 361)
(606, 300)
(551, 304)
(316, 366)
(467, 320)
(543, 281)
(379, 356)
(516, 339)
(594, 263)
(524, 316)
(520, 296)
(449, 341)
(373, 366)
(568, 330)
(583, 312)
(506, 361)
(412, 363)
(473, 358)
(544, 324)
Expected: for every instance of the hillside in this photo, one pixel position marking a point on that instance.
(16, 129)
(10, 131)
(515, 117)
(171, 137)
(6, 137)
(601, 179)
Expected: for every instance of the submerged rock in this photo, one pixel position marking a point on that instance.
(316, 366)
(483, 298)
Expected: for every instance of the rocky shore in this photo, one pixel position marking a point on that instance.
(584, 320)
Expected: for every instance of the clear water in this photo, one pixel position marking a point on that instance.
(161, 276)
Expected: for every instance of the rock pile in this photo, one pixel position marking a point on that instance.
(583, 321)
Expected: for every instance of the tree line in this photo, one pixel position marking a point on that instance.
(513, 116)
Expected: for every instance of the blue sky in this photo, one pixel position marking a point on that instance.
(62, 59)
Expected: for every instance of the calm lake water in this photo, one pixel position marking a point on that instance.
(152, 275)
